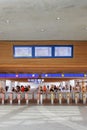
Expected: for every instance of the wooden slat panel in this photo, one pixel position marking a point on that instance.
(76, 64)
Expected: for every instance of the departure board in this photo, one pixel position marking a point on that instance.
(63, 51)
(22, 51)
(43, 51)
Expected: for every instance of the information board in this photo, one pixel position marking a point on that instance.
(63, 51)
(43, 51)
(22, 51)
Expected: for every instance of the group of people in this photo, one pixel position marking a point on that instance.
(60, 88)
(21, 88)
(44, 88)
(18, 88)
(54, 88)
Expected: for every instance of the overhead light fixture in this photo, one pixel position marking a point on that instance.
(42, 30)
(16, 75)
(58, 18)
(33, 75)
(46, 75)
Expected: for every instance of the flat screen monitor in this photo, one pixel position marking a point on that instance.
(22, 51)
(63, 51)
(43, 51)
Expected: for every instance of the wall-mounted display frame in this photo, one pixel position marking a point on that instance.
(22, 51)
(43, 51)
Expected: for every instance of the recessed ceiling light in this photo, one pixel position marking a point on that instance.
(58, 18)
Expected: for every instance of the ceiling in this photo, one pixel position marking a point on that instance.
(43, 19)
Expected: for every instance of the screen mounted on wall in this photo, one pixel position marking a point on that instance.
(46, 51)
(42, 51)
(22, 51)
(63, 51)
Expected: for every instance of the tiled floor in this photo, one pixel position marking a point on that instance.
(43, 117)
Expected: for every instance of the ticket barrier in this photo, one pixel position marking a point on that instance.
(3, 98)
(26, 98)
(84, 98)
(41, 98)
(68, 97)
(60, 98)
(76, 98)
(10, 97)
(19, 98)
(38, 98)
(52, 97)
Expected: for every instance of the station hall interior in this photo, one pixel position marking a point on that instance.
(43, 64)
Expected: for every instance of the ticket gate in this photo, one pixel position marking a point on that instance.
(84, 98)
(3, 98)
(68, 97)
(26, 98)
(60, 98)
(76, 98)
(41, 98)
(52, 97)
(10, 97)
(19, 98)
(38, 98)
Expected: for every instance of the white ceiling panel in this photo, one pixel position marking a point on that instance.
(43, 20)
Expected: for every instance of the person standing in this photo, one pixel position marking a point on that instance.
(2, 89)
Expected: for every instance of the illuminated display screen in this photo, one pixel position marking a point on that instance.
(22, 51)
(37, 81)
(51, 51)
(64, 51)
(43, 51)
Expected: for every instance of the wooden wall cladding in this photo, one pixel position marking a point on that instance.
(46, 65)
